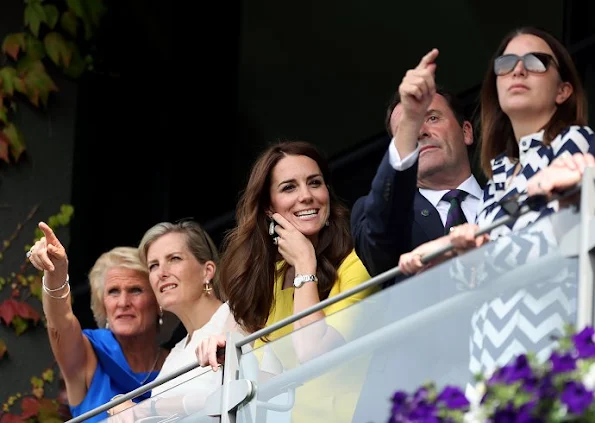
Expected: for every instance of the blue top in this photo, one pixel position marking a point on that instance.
(112, 376)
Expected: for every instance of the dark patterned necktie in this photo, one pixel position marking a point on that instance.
(455, 214)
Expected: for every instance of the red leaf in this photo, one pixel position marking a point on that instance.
(10, 308)
(3, 348)
(30, 407)
(4, 142)
(11, 418)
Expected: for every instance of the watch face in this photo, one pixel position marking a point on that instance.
(299, 280)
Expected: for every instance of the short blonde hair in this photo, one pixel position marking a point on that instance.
(125, 257)
(198, 241)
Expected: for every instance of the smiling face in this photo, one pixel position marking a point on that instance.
(131, 308)
(176, 276)
(529, 94)
(299, 193)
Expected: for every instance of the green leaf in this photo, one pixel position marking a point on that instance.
(13, 43)
(15, 138)
(68, 22)
(96, 10)
(89, 11)
(20, 325)
(59, 51)
(38, 83)
(34, 16)
(67, 209)
(3, 114)
(53, 222)
(7, 76)
(37, 382)
(77, 64)
(35, 289)
(48, 375)
(34, 47)
(52, 15)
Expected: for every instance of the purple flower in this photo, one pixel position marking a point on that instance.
(400, 405)
(576, 397)
(424, 412)
(453, 397)
(562, 363)
(510, 414)
(420, 395)
(546, 388)
(519, 370)
(583, 341)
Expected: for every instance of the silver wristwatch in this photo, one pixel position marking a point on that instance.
(299, 280)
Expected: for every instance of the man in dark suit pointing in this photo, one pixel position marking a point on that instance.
(424, 183)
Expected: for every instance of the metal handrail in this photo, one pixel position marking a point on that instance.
(372, 282)
(394, 272)
(135, 393)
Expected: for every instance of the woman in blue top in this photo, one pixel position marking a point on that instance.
(98, 364)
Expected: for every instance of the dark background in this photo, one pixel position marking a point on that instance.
(185, 96)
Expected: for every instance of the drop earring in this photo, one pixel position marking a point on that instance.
(160, 316)
(327, 223)
(207, 289)
(106, 324)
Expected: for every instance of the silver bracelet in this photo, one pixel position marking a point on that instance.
(48, 290)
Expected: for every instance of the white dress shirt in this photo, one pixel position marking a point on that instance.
(469, 185)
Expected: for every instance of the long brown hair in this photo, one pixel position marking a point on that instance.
(248, 264)
(497, 135)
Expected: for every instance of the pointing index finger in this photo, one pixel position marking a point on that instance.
(49, 234)
(428, 59)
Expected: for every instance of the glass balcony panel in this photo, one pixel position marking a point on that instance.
(466, 315)
(184, 399)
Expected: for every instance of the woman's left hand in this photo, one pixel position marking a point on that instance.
(296, 249)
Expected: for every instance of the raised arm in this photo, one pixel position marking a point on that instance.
(72, 350)
(382, 221)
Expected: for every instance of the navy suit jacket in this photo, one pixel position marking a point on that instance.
(394, 218)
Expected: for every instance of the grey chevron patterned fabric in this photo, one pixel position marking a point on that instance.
(534, 156)
(531, 318)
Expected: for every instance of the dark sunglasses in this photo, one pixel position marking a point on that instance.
(532, 62)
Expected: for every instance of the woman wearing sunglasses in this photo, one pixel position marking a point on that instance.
(533, 111)
(533, 114)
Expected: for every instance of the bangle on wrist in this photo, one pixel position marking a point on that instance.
(49, 291)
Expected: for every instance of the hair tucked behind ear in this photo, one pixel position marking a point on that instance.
(248, 264)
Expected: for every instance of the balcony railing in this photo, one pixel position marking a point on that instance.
(515, 294)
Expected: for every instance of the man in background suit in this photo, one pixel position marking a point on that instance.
(424, 176)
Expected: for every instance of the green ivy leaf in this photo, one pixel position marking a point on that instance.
(89, 11)
(48, 375)
(35, 289)
(7, 76)
(68, 22)
(67, 210)
(15, 140)
(53, 222)
(34, 47)
(13, 43)
(59, 51)
(37, 81)
(77, 64)
(37, 382)
(20, 325)
(34, 16)
(3, 113)
(52, 15)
